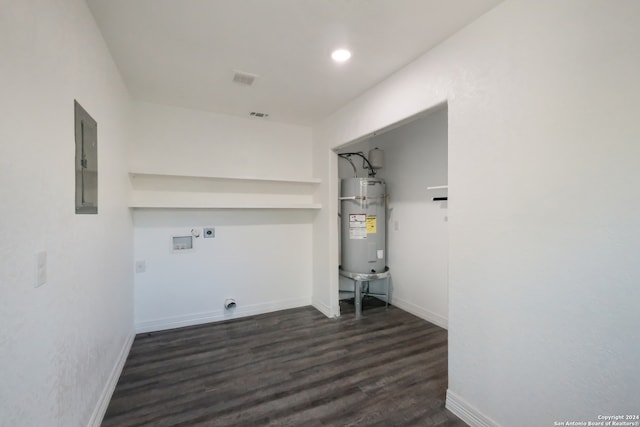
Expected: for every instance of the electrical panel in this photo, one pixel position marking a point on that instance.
(86, 165)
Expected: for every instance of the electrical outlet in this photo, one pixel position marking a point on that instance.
(209, 233)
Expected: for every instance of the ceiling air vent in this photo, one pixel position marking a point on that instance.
(242, 78)
(259, 115)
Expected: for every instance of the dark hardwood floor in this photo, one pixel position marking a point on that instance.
(288, 368)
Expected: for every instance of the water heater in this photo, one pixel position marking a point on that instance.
(363, 225)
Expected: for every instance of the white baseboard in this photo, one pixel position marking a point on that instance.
(467, 413)
(110, 386)
(218, 315)
(323, 308)
(427, 315)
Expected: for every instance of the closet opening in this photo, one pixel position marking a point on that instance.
(410, 159)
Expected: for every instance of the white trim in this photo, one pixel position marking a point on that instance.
(466, 412)
(423, 313)
(323, 308)
(110, 386)
(218, 315)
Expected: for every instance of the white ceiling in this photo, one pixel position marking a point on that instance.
(184, 53)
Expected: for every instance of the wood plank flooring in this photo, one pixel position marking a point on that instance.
(288, 368)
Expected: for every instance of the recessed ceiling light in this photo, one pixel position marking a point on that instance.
(341, 55)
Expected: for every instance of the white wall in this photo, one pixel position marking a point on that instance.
(262, 258)
(543, 235)
(325, 229)
(60, 344)
(191, 142)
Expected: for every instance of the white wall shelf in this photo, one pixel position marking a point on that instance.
(225, 206)
(164, 176)
(172, 191)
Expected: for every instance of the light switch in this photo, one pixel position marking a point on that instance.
(40, 262)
